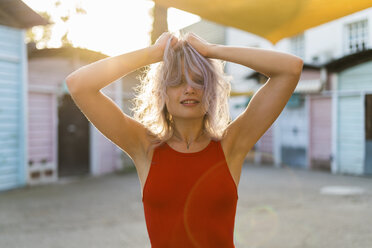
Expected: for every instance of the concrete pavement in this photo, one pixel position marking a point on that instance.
(277, 208)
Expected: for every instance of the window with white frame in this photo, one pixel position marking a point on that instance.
(297, 45)
(356, 38)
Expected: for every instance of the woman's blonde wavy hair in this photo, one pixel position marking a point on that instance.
(150, 94)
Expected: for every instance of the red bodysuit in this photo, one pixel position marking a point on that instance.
(190, 199)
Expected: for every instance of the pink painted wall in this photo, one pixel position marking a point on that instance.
(320, 146)
(41, 141)
(44, 78)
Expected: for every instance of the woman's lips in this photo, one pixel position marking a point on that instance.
(189, 104)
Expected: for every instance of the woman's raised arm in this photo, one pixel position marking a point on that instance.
(268, 62)
(101, 73)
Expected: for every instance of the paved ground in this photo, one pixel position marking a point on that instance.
(277, 208)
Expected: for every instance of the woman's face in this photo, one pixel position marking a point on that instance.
(178, 93)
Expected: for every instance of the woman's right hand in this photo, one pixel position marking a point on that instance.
(161, 42)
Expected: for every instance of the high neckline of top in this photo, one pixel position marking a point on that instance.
(190, 154)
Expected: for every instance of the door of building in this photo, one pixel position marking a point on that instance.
(73, 139)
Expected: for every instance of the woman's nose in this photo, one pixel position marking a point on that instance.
(189, 88)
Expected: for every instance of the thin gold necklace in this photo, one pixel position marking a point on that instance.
(188, 144)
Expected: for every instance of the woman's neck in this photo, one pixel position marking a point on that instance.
(189, 140)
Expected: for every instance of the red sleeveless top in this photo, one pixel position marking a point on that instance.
(190, 199)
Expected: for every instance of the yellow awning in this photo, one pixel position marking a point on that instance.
(270, 19)
(241, 93)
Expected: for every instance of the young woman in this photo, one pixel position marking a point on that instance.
(187, 152)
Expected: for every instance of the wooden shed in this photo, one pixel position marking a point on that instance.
(62, 142)
(293, 139)
(352, 111)
(15, 18)
(303, 130)
(264, 147)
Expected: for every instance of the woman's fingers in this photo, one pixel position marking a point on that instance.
(198, 43)
(192, 39)
(174, 41)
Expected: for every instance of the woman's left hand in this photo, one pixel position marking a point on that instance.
(201, 45)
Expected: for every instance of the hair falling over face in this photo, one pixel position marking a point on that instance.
(206, 73)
